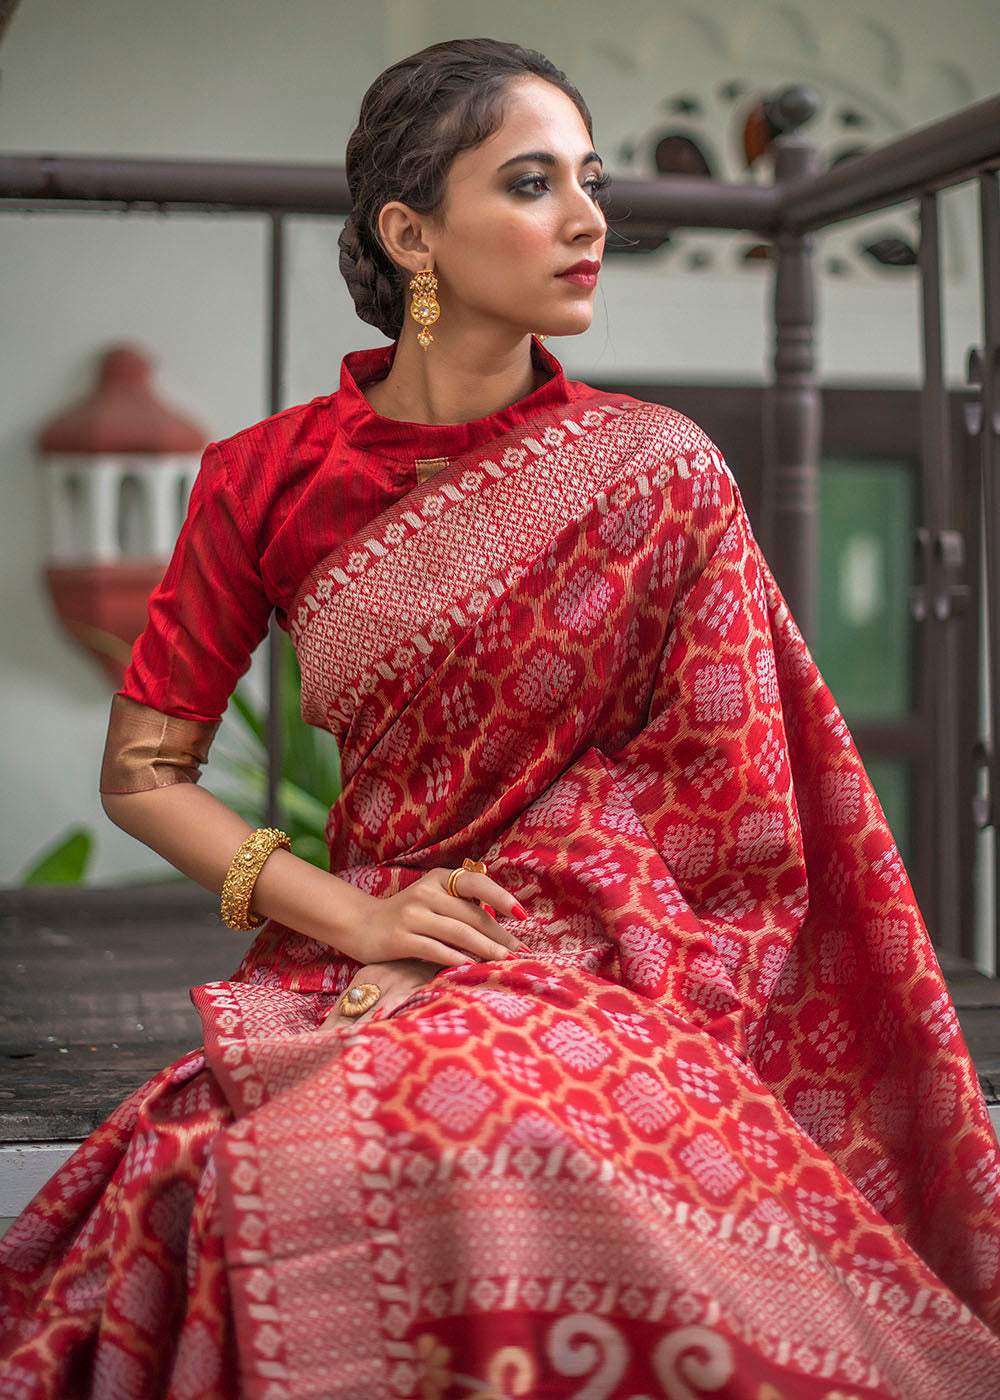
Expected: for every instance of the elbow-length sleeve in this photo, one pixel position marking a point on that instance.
(206, 618)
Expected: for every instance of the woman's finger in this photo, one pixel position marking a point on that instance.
(450, 941)
(476, 920)
(386, 1004)
(421, 945)
(470, 885)
(394, 999)
(396, 980)
(478, 913)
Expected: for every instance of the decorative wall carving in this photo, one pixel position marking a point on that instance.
(874, 84)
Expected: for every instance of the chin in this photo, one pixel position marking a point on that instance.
(566, 324)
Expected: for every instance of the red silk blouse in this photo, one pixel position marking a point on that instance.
(268, 505)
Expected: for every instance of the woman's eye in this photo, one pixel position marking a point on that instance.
(532, 184)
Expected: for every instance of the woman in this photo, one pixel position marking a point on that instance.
(655, 1087)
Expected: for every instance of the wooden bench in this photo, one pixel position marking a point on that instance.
(94, 1000)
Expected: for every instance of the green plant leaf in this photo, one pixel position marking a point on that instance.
(310, 778)
(299, 808)
(64, 863)
(252, 718)
(312, 849)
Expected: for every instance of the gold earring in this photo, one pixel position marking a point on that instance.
(425, 307)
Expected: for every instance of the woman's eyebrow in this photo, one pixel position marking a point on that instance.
(547, 158)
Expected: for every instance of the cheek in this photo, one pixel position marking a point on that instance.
(511, 238)
(533, 230)
(525, 240)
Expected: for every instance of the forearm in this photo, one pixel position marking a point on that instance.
(199, 835)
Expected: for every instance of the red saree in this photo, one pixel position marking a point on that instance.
(718, 1137)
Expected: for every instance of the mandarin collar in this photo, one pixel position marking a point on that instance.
(405, 442)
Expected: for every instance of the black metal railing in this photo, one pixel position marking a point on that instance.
(801, 201)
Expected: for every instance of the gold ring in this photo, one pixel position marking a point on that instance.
(476, 866)
(357, 1000)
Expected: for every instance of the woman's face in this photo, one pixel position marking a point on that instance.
(519, 213)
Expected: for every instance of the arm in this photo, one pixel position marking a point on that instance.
(206, 617)
(199, 834)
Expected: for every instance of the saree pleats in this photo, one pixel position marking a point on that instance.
(479, 1197)
(117, 1266)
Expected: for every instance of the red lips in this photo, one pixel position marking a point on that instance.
(584, 268)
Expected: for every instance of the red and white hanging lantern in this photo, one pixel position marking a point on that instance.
(118, 468)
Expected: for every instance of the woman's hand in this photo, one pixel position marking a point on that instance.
(397, 981)
(200, 835)
(426, 923)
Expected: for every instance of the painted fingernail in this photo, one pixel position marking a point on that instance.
(518, 912)
(492, 912)
(469, 962)
(512, 957)
(377, 1015)
(524, 948)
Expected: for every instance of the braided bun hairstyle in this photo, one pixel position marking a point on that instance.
(415, 119)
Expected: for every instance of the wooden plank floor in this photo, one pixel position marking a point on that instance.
(94, 1000)
(94, 997)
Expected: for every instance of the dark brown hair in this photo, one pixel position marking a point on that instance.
(415, 118)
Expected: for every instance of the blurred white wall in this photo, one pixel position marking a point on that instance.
(248, 79)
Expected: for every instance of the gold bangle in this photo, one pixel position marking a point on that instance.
(237, 890)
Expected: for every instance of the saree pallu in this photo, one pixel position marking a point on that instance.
(717, 1136)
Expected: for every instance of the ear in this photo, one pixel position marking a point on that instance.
(404, 236)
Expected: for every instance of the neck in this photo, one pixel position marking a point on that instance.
(457, 379)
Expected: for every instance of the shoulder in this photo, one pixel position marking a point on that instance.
(656, 432)
(272, 439)
(262, 470)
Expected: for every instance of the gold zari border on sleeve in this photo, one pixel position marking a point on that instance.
(146, 749)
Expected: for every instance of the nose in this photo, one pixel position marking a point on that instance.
(587, 219)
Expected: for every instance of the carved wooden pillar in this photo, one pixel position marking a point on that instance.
(983, 420)
(792, 404)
